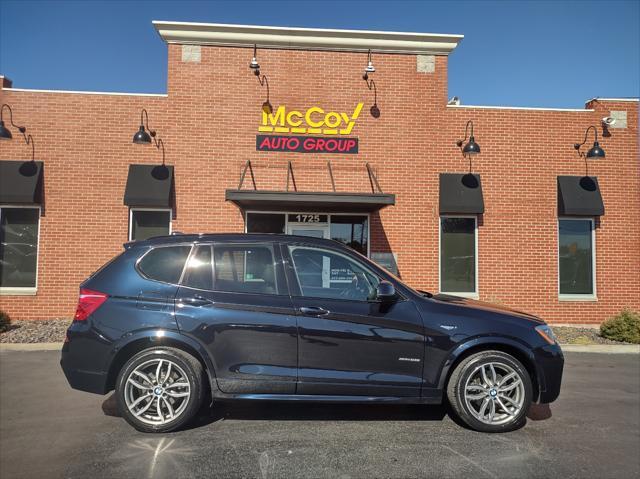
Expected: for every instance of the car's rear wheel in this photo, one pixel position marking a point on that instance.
(160, 389)
(490, 391)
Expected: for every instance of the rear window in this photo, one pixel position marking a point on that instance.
(199, 273)
(164, 264)
(245, 269)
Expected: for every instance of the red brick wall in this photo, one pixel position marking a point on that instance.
(209, 121)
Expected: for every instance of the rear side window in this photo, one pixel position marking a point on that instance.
(199, 273)
(165, 264)
(245, 269)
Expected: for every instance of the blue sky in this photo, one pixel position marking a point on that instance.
(539, 53)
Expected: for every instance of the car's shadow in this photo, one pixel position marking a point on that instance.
(303, 411)
(306, 411)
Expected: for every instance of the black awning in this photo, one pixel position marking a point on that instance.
(460, 193)
(579, 196)
(21, 182)
(309, 201)
(149, 185)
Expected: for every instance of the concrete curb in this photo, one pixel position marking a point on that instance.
(30, 346)
(601, 348)
(568, 348)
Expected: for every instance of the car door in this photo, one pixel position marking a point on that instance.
(349, 343)
(234, 299)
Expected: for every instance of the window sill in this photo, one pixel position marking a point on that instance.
(578, 297)
(462, 295)
(18, 291)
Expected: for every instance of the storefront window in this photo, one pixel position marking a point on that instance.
(575, 256)
(18, 247)
(265, 222)
(352, 231)
(458, 255)
(149, 223)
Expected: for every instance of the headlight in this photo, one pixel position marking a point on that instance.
(547, 333)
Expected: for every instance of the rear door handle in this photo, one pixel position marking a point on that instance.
(313, 311)
(195, 300)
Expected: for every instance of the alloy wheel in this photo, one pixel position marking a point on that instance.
(157, 391)
(494, 393)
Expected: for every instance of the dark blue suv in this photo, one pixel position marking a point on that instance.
(174, 320)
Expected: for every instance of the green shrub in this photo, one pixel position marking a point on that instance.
(623, 327)
(4, 321)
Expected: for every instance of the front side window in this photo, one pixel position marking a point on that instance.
(18, 247)
(458, 255)
(575, 256)
(146, 224)
(245, 269)
(326, 274)
(165, 263)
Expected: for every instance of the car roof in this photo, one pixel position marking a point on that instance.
(232, 237)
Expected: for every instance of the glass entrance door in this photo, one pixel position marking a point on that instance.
(308, 224)
(347, 228)
(315, 231)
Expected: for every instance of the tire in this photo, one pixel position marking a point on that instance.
(179, 394)
(468, 390)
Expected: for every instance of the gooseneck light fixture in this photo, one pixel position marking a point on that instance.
(254, 65)
(5, 133)
(371, 85)
(141, 136)
(262, 79)
(595, 151)
(471, 148)
(369, 68)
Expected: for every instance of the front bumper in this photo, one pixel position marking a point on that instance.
(549, 364)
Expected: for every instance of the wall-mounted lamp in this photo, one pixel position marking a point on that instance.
(262, 79)
(375, 111)
(254, 65)
(369, 68)
(595, 151)
(143, 138)
(471, 148)
(5, 133)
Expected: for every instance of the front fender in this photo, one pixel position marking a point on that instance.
(484, 342)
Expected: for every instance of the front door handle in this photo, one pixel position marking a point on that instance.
(313, 311)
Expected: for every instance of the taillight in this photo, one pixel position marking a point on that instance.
(88, 302)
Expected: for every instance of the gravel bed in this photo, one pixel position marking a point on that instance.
(570, 335)
(53, 331)
(41, 331)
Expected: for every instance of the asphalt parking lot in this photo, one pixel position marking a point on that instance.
(49, 430)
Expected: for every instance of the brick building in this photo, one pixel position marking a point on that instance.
(370, 162)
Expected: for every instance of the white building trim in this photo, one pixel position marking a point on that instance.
(521, 108)
(74, 92)
(306, 38)
(612, 99)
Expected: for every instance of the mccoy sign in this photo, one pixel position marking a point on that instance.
(336, 125)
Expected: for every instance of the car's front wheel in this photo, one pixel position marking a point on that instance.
(160, 389)
(490, 391)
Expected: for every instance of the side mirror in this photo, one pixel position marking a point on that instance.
(385, 291)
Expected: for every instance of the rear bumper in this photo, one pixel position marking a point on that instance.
(550, 364)
(83, 359)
